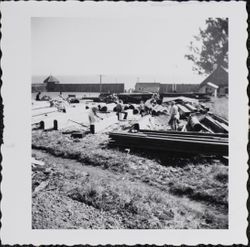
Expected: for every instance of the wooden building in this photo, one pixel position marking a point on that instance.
(178, 88)
(218, 77)
(38, 87)
(86, 87)
(53, 85)
(147, 87)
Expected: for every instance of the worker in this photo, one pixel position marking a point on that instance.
(60, 96)
(174, 116)
(148, 106)
(155, 96)
(115, 98)
(154, 108)
(38, 96)
(142, 108)
(92, 119)
(119, 109)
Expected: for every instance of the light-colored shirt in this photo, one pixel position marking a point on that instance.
(148, 103)
(92, 117)
(174, 111)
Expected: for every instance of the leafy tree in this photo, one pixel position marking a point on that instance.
(210, 46)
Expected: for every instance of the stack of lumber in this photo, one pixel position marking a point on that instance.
(159, 109)
(180, 99)
(191, 107)
(215, 123)
(184, 111)
(184, 142)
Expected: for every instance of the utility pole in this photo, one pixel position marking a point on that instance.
(100, 84)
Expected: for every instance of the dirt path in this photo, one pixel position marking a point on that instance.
(70, 194)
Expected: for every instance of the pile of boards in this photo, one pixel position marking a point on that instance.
(210, 122)
(185, 142)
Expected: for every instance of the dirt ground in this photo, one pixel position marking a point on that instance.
(86, 184)
(219, 106)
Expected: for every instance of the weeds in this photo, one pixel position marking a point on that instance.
(138, 207)
(197, 181)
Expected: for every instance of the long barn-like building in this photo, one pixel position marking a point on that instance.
(217, 78)
(154, 87)
(51, 84)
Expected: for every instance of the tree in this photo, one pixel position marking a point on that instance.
(210, 46)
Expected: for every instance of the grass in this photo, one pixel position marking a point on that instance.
(144, 190)
(114, 200)
(201, 175)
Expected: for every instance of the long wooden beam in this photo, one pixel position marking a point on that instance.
(168, 143)
(185, 133)
(164, 138)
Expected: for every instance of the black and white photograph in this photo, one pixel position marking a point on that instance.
(129, 123)
(130, 118)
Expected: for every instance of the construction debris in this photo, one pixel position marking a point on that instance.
(78, 134)
(215, 125)
(194, 118)
(35, 162)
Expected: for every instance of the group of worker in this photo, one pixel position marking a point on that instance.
(148, 107)
(173, 112)
(144, 108)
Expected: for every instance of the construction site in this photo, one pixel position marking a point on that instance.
(130, 161)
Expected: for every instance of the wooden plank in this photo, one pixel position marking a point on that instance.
(171, 145)
(43, 111)
(186, 133)
(163, 138)
(187, 136)
(214, 125)
(190, 107)
(183, 110)
(193, 138)
(218, 118)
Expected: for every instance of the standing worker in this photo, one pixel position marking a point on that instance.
(38, 96)
(148, 106)
(119, 109)
(174, 116)
(92, 119)
(142, 108)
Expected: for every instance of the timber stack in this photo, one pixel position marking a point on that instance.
(185, 142)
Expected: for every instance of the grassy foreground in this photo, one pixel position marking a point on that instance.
(87, 185)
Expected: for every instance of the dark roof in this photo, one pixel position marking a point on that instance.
(218, 77)
(51, 79)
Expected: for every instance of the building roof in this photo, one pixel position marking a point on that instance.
(212, 85)
(218, 76)
(51, 79)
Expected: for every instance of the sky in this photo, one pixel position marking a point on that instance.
(148, 47)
